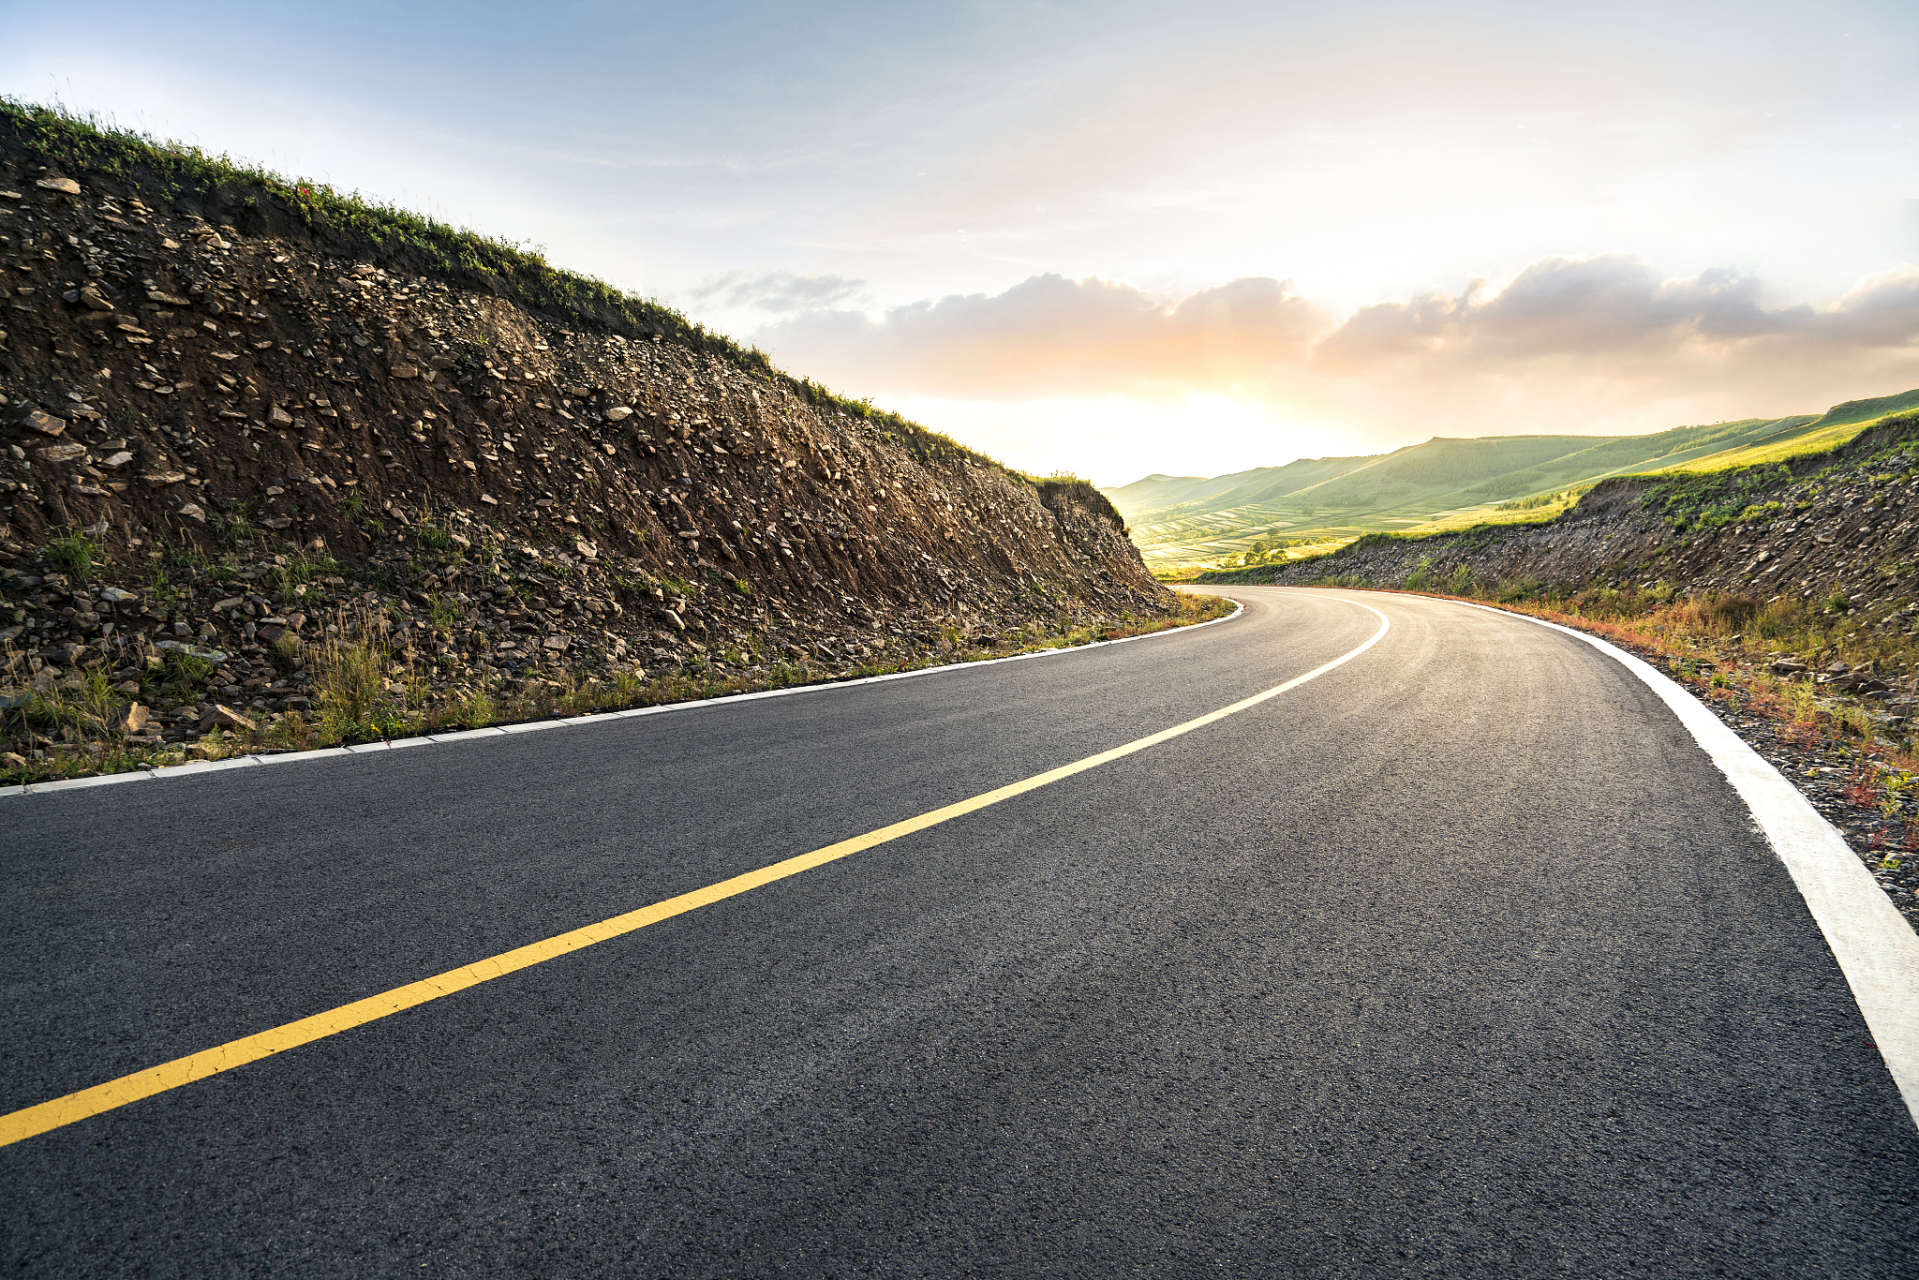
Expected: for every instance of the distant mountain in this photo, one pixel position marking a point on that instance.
(1190, 520)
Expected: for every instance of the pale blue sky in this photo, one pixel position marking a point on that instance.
(818, 178)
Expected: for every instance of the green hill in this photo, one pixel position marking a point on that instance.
(1182, 522)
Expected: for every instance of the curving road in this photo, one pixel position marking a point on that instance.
(1458, 959)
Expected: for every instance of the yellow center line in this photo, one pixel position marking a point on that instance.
(57, 1112)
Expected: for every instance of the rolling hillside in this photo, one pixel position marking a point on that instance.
(1312, 504)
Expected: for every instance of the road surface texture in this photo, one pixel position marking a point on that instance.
(1460, 959)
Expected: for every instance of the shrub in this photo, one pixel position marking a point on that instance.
(234, 525)
(1732, 613)
(432, 531)
(350, 678)
(75, 552)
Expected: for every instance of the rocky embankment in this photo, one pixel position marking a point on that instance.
(237, 443)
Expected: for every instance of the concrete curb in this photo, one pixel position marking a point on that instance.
(604, 717)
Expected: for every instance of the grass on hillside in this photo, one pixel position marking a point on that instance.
(1684, 500)
(1191, 537)
(73, 144)
(1835, 430)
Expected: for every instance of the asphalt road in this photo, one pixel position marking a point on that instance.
(1461, 959)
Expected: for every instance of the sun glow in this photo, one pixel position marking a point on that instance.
(1111, 440)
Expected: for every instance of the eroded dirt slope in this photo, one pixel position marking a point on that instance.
(244, 426)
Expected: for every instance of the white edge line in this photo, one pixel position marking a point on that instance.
(286, 757)
(461, 735)
(1876, 948)
(74, 784)
(606, 717)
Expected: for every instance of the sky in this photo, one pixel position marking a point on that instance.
(1124, 238)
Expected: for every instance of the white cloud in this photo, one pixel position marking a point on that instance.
(776, 291)
(1050, 336)
(1613, 307)
(1250, 373)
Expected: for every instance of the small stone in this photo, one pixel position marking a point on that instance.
(92, 300)
(619, 412)
(117, 461)
(115, 595)
(167, 299)
(221, 716)
(404, 371)
(193, 511)
(43, 422)
(60, 452)
(280, 417)
(136, 716)
(12, 760)
(489, 499)
(66, 186)
(161, 479)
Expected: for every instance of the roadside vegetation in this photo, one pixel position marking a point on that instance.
(366, 690)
